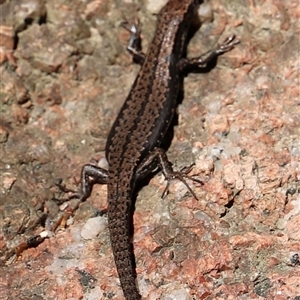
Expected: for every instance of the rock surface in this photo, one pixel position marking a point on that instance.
(64, 75)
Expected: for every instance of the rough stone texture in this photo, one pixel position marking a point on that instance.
(64, 75)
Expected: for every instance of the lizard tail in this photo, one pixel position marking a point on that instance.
(118, 220)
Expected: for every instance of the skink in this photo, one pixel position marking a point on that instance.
(132, 148)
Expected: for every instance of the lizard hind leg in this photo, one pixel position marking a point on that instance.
(181, 175)
(158, 158)
(90, 175)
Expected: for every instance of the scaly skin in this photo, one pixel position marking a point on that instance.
(132, 146)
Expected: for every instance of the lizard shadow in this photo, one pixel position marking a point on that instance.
(166, 143)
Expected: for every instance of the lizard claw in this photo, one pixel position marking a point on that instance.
(228, 44)
(181, 175)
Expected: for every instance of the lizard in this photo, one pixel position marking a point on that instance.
(133, 145)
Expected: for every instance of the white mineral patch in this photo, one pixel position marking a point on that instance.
(180, 294)
(93, 227)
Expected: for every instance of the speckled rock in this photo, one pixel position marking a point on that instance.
(65, 74)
